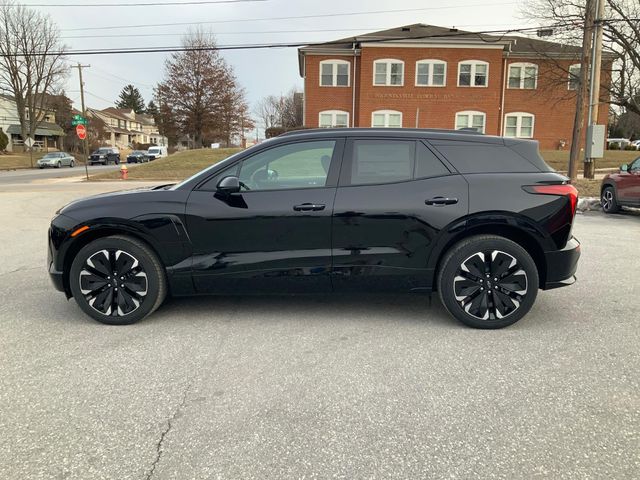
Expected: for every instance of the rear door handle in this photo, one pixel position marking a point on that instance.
(308, 207)
(440, 201)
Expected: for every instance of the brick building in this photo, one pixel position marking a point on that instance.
(433, 77)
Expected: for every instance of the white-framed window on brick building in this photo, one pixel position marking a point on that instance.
(471, 119)
(333, 118)
(574, 76)
(335, 73)
(388, 72)
(523, 75)
(386, 119)
(519, 124)
(473, 73)
(431, 73)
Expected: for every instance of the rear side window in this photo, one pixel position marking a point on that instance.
(427, 164)
(382, 161)
(468, 157)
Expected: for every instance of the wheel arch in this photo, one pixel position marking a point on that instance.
(522, 236)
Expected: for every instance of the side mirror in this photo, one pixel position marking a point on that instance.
(229, 185)
(624, 168)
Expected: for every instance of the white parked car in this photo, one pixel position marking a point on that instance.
(157, 152)
(636, 144)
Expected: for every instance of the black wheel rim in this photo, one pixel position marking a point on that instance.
(113, 282)
(490, 285)
(607, 199)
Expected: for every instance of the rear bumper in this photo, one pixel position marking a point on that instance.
(561, 265)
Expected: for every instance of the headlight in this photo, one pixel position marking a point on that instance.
(101, 156)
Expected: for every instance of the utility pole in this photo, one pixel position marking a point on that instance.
(84, 115)
(594, 84)
(578, 122)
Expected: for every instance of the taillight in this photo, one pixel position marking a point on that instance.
(565, 189)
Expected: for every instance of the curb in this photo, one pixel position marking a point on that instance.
(588, 204)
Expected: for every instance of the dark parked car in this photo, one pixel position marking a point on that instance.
(622, 188)
(105, 156)
(137, 156)
(482, 220)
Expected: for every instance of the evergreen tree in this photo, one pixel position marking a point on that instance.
(130, 97)
(152, 109)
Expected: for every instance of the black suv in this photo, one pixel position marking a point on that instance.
(480, 219)
(104, 156)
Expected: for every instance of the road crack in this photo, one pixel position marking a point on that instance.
(166, 431)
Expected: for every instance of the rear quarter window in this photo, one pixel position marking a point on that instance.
(471, 157)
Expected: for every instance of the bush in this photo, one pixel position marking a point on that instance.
(4, 141)
(630, 147)
(614, 146)
(275, 131)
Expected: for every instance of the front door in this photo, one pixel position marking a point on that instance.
(393, 199)
(275, 235)
(629, 184)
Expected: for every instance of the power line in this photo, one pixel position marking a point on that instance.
(258, 46)
(120, 78)
(141, 4)
(299, 17)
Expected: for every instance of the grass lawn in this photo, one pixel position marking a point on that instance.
(559, 159)
(175, 167)
(588, 188)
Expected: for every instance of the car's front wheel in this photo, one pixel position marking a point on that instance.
(59, 164)
(72, 164)
(117, 280)
(608, 200)
(488, 281)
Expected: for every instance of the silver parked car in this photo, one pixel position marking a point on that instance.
(57, 160)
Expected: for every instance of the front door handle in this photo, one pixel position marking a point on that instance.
(440, 201)
(308, 207)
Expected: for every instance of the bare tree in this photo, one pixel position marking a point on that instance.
(32, 62)
(621, 36)
(284, 111)
(267, 111)
(197, 86)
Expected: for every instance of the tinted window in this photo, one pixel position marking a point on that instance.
(469, 157)
(296, 165)
(427, 164)
(382, 161)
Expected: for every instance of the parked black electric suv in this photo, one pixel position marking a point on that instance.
(482, 220)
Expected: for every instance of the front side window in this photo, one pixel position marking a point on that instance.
(388, 72)
(523, 75)
(334, 73)
(471, 119)
(333, 118)
(518, 124)
(574, 76)
(473, 73)
(382, 161)
(386, 119)
(296, 165)
(431, 73)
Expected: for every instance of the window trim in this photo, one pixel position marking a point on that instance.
(388, 62)
(579, 65)
(473, 63)
(523, 66)
(386, 113)
(519, 116)
(470, 113)
(431, 62)
(334, 72)
(333, 114)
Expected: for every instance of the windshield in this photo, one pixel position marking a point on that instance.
(102, 150)
(52, 155)
(207, 170)
(137, 152)
(154, 150)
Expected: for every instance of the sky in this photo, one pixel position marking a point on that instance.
(260, 72)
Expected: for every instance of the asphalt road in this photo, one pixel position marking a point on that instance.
(318, 387)
(12, 177)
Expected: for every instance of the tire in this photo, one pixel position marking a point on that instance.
(608, 200)
(72, 164)
(59, 164)
(470, 296)
(144, 279)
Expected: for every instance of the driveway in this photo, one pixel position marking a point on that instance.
(317, 387)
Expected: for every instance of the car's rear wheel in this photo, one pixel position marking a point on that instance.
(488, 281)
(117, 280)
(608, 200)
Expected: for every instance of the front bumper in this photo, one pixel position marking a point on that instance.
(561, 265)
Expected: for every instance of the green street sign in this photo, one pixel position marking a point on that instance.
(78, 117)
(79, 121)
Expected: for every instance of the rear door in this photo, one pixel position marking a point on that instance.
(394, 197)
(275, 235)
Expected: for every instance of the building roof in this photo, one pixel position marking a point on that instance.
(145, 119)
(121, 113)
(432, 34)
(43, 129)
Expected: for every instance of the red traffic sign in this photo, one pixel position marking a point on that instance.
(81, 131)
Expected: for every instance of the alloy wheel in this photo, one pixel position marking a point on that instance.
(490, 285)
(113, 282)
(607, 200)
